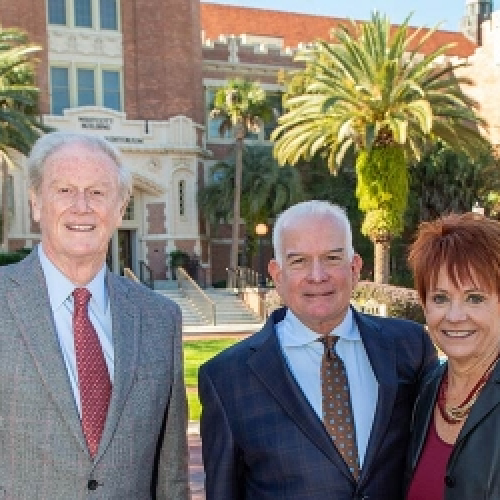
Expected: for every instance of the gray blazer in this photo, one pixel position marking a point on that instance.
(43, 454)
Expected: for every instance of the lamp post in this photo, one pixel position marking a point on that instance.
(477, 208)
(261, 231)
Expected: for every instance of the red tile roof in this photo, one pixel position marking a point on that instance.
(218, 19)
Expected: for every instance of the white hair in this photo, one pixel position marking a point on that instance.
(48, 144)
(312, 208)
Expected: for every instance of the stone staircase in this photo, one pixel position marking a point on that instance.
(229, 308)
(190, 314)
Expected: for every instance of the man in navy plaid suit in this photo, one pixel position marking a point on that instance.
(262, 432)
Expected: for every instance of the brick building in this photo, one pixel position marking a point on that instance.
(142, 74)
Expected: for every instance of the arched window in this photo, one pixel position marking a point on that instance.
(182, 198)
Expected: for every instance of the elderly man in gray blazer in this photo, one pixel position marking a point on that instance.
(92, 399)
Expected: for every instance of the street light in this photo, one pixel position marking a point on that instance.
(261, 231)
(477, 208)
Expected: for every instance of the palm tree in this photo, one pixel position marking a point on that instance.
(372, 91)
(267, 190)
(19, 126)
(242, 107)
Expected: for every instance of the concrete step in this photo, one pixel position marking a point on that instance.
(165, 285)
(230, 309)
(191, 316)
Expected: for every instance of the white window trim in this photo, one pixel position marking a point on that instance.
(96, 22)
(60, 66)
(100, 84)
(94, 70)
(73, 82)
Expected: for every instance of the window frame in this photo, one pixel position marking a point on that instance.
(89, 21)
(79, 90)
(51, 84)
(106, 69)
(95, 16)
(117, 18)
(181, 188)
(65, 13)
(73, 89)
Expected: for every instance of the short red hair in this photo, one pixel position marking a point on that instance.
(466, 244)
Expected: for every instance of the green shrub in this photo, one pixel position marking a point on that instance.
(12, 257)
(178, 258)
(219, 284)
(401, 302)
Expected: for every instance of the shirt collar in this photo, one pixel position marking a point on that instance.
(297, 334)
(60, 287)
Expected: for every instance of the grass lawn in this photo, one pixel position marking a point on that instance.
(195, 353)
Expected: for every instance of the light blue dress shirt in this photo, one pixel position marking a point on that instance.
(61, 302)
(303, 354)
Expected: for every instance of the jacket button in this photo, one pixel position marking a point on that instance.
(449, 481)
(92, 484)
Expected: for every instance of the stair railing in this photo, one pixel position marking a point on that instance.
(145, 274)
(241, 277)
(128, 273)
(193, 292)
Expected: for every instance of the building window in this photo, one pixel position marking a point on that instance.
(182, 198)
(57, 11)
(130, 210)
(111, 90)
(83, 13)
(86, 87)
(108, 15)
(59, 83)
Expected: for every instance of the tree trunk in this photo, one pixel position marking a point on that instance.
(381, 264)
(5, 206)
(238, 173)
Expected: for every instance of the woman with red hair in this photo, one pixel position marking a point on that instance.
(454, 452)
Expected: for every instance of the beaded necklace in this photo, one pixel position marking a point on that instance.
(455, 414)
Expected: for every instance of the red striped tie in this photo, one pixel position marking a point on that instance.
(93, 376)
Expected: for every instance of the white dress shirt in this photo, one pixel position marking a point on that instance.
(60, 291)
(303, 354)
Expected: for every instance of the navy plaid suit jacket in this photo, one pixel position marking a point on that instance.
(262, 440)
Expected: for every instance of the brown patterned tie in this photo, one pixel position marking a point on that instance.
(337, 411)
(93, 376)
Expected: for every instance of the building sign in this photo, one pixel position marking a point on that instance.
(126, 140)
(95, 123)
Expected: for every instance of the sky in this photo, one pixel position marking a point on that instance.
(425, 12)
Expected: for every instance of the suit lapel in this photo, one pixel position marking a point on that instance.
(381, 354)
(126, 330)
(269, 366)
(30, 306)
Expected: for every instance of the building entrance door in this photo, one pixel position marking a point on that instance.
(125, 249)
(121, 251)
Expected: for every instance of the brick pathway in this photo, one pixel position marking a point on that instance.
(196, 474)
